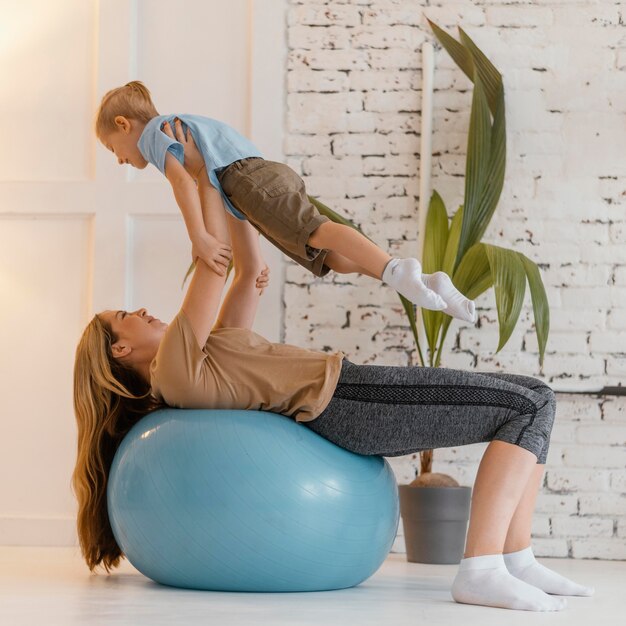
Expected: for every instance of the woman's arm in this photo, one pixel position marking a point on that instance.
(203, 296)
(202, 300)
(241, 301)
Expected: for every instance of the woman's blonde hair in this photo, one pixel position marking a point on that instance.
(109, 398)
(132, 100)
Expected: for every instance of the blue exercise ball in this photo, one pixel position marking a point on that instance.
(241, 500)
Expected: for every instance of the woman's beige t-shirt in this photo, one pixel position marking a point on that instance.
(240, 369)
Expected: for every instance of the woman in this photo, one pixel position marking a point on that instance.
(129, 363)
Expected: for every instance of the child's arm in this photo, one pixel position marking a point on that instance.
(251, 273)
(247, 255)
(207, 245)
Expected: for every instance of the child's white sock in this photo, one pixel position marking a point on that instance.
(404, 275)
(458, 305)
(523, 565)
(485, 580)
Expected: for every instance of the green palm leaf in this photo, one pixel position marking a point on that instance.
(437, 228)
(477, 164)
(489, 75)
(453, 242)
(509, 281)
(473, 276)
(459, 53)
(486, 144)
(471, 60)
(432, 259)
(485, 265)
(541, 310)
(436, 323)
(494, 176)
(485, 173)
(409, 308)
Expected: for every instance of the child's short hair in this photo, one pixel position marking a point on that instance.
(132, 101)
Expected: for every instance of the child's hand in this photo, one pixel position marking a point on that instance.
(194, 161)
(263, 279)
(214, 253)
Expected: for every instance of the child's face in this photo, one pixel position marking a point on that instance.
(123, 142)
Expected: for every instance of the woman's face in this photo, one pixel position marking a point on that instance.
(136, 332)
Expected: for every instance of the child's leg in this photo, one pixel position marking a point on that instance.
(273, 198)
(356, 253)
(342, 265)
(351, 244)
(403, 275)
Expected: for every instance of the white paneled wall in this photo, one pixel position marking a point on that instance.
(45, 272)
(46, 103)
(151, 275)
(197, 56)
(78, 232)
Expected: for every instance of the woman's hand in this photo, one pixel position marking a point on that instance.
(194, 161)
(263, 279)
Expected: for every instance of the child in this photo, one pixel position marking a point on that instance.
(269, 194)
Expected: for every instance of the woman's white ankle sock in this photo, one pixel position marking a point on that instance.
(458, 305)
(405, 276)
(485, 580)
(523, 565)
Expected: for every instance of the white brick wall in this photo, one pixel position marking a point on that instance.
(353, 124)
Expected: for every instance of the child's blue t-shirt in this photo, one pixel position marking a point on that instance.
(219, 144)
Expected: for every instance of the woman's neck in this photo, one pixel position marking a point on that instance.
(144, 370)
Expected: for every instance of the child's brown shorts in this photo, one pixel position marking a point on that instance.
(273, 198)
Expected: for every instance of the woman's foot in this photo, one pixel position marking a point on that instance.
(458, 305)
(485, 580)
(405, 276)
(523, 565)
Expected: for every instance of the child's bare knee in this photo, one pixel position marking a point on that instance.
(320, 237)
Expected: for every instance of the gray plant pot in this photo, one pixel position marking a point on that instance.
(435, 522)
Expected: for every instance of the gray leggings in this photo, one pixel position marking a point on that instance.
(392, 410)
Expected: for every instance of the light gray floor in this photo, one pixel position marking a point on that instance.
(52, 586)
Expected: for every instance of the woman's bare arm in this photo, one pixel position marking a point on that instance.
(202, 300)
(242, 298)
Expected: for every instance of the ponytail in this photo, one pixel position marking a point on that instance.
(132, 100)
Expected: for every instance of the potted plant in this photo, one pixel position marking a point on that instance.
(434, 508)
